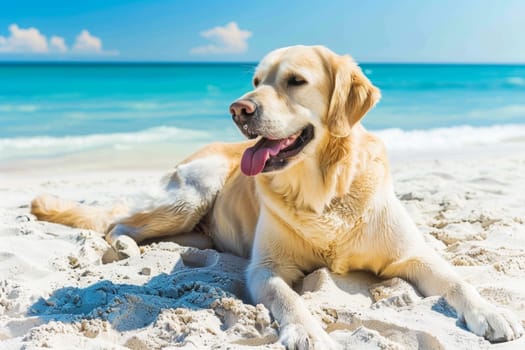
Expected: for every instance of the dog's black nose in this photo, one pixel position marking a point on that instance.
(242, 111)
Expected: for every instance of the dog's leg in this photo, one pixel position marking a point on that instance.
(177, 220)
(187, 196)
(270, 274)
(166, 220)
(432, 275)
(298, 328)
(67, 212)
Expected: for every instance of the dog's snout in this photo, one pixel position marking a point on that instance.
(242, 111)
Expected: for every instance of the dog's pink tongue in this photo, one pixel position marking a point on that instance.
(254, 158)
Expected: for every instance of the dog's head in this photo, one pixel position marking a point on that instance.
(301, 95)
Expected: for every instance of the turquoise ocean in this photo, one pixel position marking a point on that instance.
(54, 109)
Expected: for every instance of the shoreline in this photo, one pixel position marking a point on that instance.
(164, 157)
(164, 147)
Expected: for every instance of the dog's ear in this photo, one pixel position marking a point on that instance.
(352, 97)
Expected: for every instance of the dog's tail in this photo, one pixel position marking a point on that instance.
(66, 212)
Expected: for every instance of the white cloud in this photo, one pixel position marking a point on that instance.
(23, 40)
(229, 39)
(30, 40)
(58, 43)
(85, 42)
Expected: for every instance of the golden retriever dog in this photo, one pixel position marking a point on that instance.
(310, 189)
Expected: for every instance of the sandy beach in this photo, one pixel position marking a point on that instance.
(56, 291)
(100, 100)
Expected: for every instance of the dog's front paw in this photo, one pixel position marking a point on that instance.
(493, 323)
(295, 336)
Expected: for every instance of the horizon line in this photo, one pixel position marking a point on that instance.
(168, 62)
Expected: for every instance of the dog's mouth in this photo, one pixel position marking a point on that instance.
(271, 155)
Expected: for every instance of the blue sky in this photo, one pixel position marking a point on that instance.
(371, 31)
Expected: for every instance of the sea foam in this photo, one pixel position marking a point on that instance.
(396, 140)
(515, 81)
(451, 138)
(45, 146)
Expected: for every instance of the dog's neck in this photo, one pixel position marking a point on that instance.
(312, 184)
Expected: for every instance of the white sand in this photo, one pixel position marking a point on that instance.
(55, 292)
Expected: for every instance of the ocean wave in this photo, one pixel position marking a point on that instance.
(510, 83)
(515, 81)
(183, 106)
(19, 147)
(398, 140)
(24, 108)
(511, 111)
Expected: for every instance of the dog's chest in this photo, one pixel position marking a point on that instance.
(341, 237)
(341, 217)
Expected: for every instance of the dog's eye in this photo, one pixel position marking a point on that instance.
(295, 81)
(255, 82)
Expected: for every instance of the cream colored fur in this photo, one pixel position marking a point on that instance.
(333, 205)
